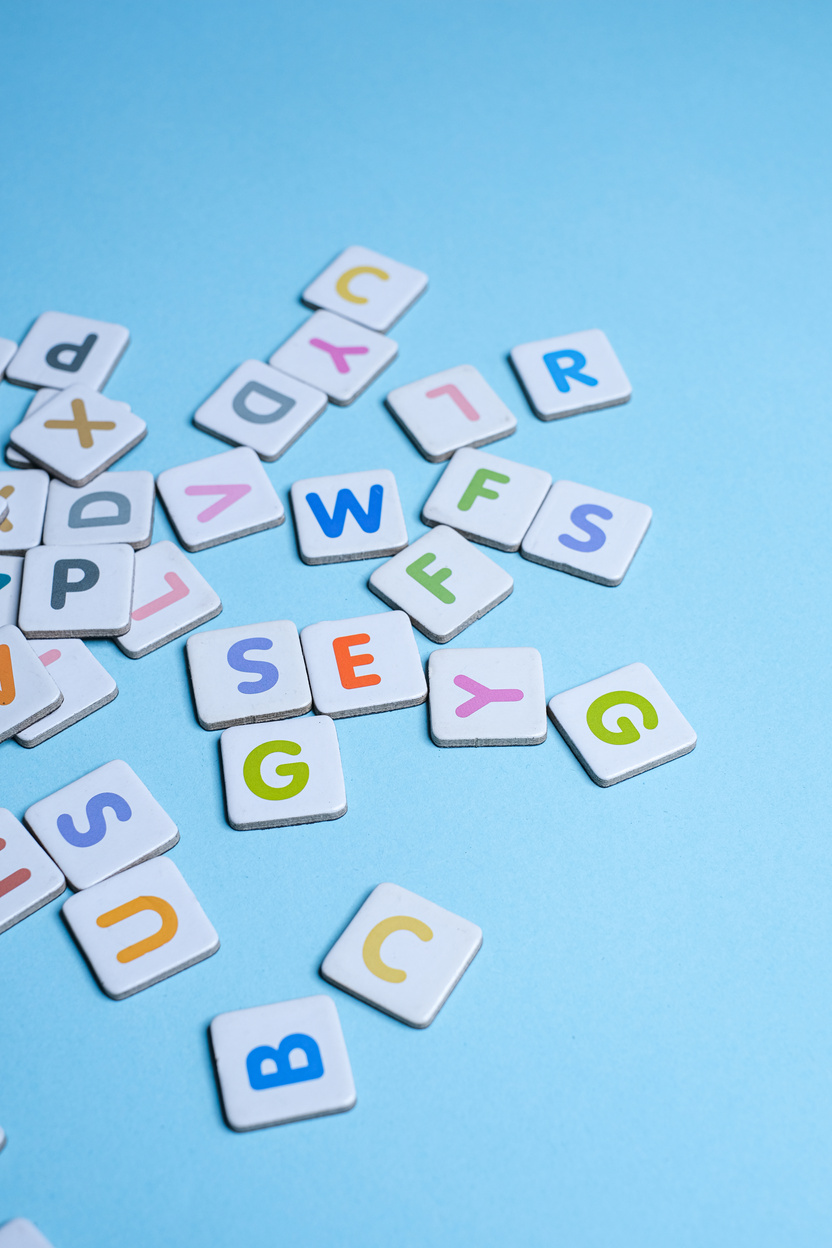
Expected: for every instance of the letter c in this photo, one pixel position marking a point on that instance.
(628, 733)
(343, 284)
(298, 771)
(165, 911)
(377, 937)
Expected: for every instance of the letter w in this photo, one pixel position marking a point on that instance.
(333, 526)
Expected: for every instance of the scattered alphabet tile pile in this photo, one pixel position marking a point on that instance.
(77, 561)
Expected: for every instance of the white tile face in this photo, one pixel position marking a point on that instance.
(280, 1063)
(25, 493)
(278, 775)
(85, 684)
(587, 532)
(72, 592)
(7, 353)
(28, 876)
(487, 499)
(61, 350)
(21, 1233)
(574, 373)
(217, 499)
(115, 507)
(449, 410)
(169, 598)
(336, 356)
(442, 582)
(353, 515)
(16, 459)
(100, 824)
(402, 954)
(362, 665)
(621, 724)
(11, 575)
(260, 407)
(490, 696)
(78, 434)
(248, 675)
(366, 287)
(27, 691)
(139, 927)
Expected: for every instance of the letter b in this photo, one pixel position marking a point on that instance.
(62, 585)
(78, 351)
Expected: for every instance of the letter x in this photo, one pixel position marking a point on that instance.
(80, 423)
(338, 353)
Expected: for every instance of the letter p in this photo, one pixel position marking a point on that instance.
(62, 585)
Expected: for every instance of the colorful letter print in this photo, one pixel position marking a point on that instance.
(62, 350)
(449, 410)
(217, 499)
(587, 532)
(366, 287)
(281, 1063)
(71, 591)
(78, 434)
(402, 954)
(489, 696)
(353, 515)
(487, 499)
(98, 825)
(28, 877)
(621, 724)
(139, 927)
(335, 355)
(248, 675)
(115, 507)
(260, 407)
(277, 775)
(363, 665)
(27, 691)
(84, 682)
(170, 598)
(443, 583)
(575, 373)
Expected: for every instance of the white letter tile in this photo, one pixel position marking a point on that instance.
(62, 350)
(169, 598)
(443, 583)
(27, 691)
(449, 410)
(363, 665)
(353, 515)
(258, 406)
(78, 433)
(621, 724)
(281, 1063)
(28, 876)
(72, 591)
(490, 696)
(335, 355)
(248, 675)
(139, 927)
(278, 775)
(366, 287)
(25, 493)
(575, 373)
(115, 507)
(587, 532)
(220, 498)
(402, 954)
(85, 684)
(487, 499)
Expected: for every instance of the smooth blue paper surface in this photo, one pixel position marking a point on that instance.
(639, 1055)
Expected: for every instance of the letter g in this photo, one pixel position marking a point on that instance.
(298, 771)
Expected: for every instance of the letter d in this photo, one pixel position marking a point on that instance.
(78, 351)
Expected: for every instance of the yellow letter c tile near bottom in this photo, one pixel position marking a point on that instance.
(403, 954)
(117, 925)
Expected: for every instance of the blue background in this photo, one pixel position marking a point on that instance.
(640, 1053)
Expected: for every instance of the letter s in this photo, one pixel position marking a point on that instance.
(628, 733)
(96, 818)
(596, 537)
(267, 672)
(298, 771)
